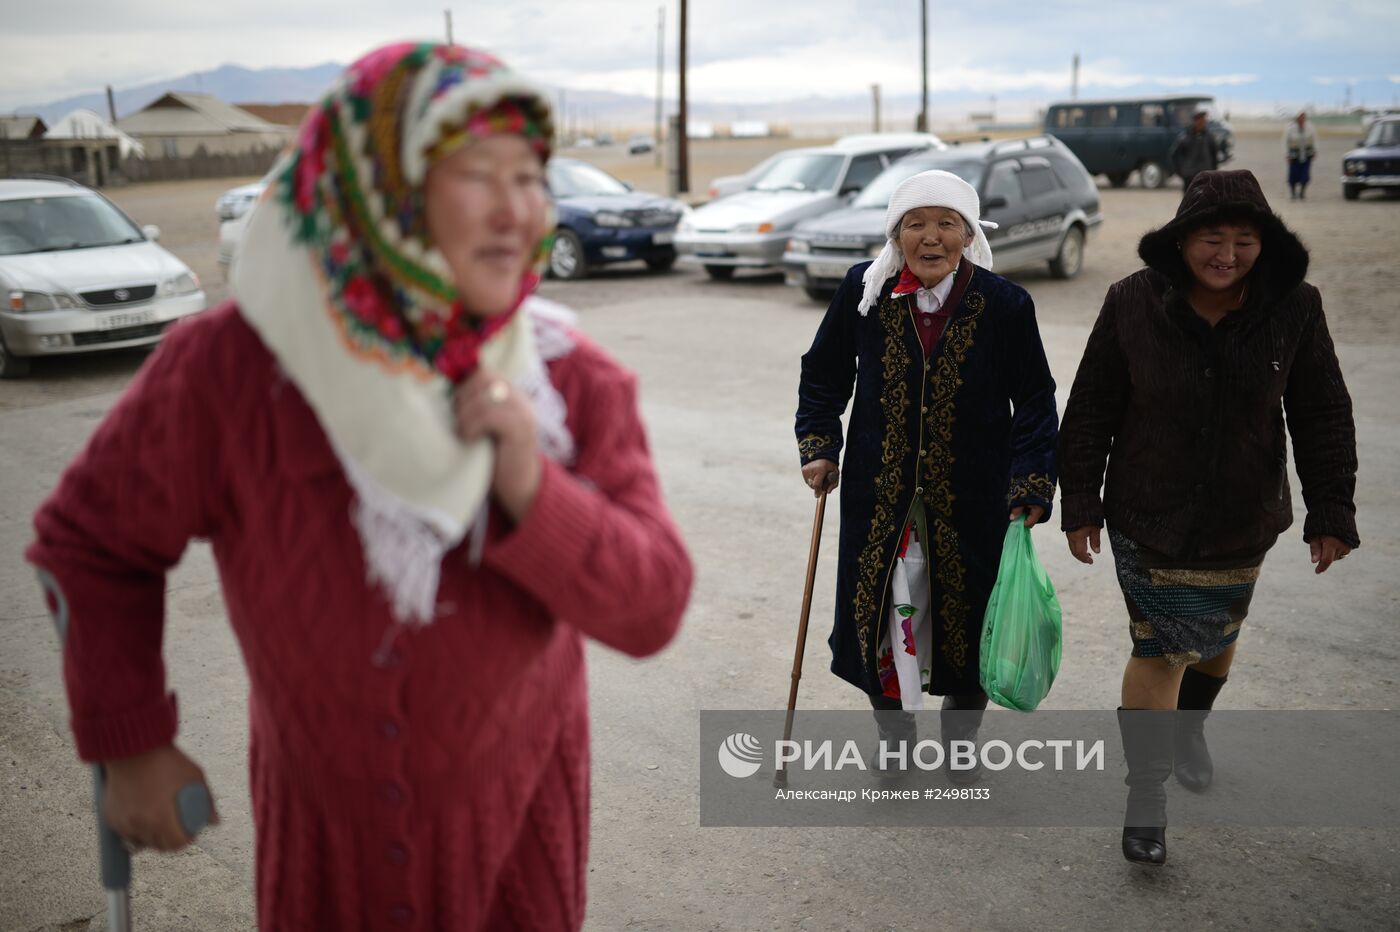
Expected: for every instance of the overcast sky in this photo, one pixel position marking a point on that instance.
(1249, 52)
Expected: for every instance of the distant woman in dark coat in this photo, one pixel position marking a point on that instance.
(1189, 371)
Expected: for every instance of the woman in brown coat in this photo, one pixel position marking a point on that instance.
(1189, 371)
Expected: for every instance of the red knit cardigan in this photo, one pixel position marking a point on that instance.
(441, 783)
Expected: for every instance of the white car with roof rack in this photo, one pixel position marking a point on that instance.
(748, 230)
(77, 275)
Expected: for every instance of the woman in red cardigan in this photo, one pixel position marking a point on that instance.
(423, 487)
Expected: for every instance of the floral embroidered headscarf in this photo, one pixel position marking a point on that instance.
(355, 185)
(338, 274)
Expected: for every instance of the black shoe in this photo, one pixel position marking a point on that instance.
(1194, 768)
(960, 719)
(1145, 845)
(1147, 746)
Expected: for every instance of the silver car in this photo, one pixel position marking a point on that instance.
(748, 230)
(1036, 190)
(78, 275)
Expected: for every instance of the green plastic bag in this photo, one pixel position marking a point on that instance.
(1021, 631)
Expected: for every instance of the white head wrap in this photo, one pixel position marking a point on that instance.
(927, 189)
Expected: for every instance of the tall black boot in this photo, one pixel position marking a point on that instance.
(1194, 768)
(960, 719)
(1147, 745)
(894, 725)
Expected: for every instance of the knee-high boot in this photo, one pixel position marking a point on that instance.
(1194, 768)
(1147, 746)
(960, 719)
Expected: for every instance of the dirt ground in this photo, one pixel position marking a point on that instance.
(718, 363)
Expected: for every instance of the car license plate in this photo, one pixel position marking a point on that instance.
(827, 270)
(125, 319)
(662, 239)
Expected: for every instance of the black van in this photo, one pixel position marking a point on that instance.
(1116, 137)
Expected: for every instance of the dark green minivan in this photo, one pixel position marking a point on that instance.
(1117, 137)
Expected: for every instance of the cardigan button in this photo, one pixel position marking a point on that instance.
(919, 490)
(1210, 373)
(389, 729)
(923, 453)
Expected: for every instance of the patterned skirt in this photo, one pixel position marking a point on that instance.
(1184, 609)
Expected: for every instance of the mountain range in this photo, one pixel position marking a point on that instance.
(582, 110)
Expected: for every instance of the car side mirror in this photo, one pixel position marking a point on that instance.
(627, 185)
(850, 190)
(1361, 142)
(151, 232)
(992, 203)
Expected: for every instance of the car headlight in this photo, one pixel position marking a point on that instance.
(798, 245)
(753, 228)
(184, 283)
(606, 218)
(1354, 166)
(22, 301)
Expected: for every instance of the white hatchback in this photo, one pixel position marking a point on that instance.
(78, 275)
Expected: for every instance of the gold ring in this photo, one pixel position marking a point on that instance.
(497, 391)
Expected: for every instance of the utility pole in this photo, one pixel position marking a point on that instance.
(875, 94)
(1074, 79)
(111, 106)
(660, 70)
(923, 32)
(447, 15)
(683, 152)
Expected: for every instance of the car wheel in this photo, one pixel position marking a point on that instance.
(818, 294)
(661, 263)
(1070, 259)
(566, 256)
(1152, 175)
(720, 273)
(1118, 179)
(12, 366)
(1351, 191)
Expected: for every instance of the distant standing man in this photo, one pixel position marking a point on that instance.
(1194, 150)
(1300, 145)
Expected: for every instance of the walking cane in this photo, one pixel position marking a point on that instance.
(192, 802)
(780, 776)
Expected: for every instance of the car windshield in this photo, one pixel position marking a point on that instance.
(877, 193)
(47, 224)
(1384, 134)
(576, 179)
(810, 172)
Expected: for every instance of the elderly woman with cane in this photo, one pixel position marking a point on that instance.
(423, 488)
(952, 434)
(1189, 372)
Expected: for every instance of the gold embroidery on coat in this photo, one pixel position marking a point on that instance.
(889, 481)
(1036, 485)
(938, 478)
(812, 444)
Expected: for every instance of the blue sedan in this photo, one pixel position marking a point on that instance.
(602, 221)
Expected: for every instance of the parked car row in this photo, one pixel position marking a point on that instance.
(748, 230)
(1044, 202)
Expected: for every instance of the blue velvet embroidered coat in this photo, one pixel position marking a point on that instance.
(970, 431)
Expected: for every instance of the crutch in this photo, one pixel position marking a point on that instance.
(192, 802)
(780, 775)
